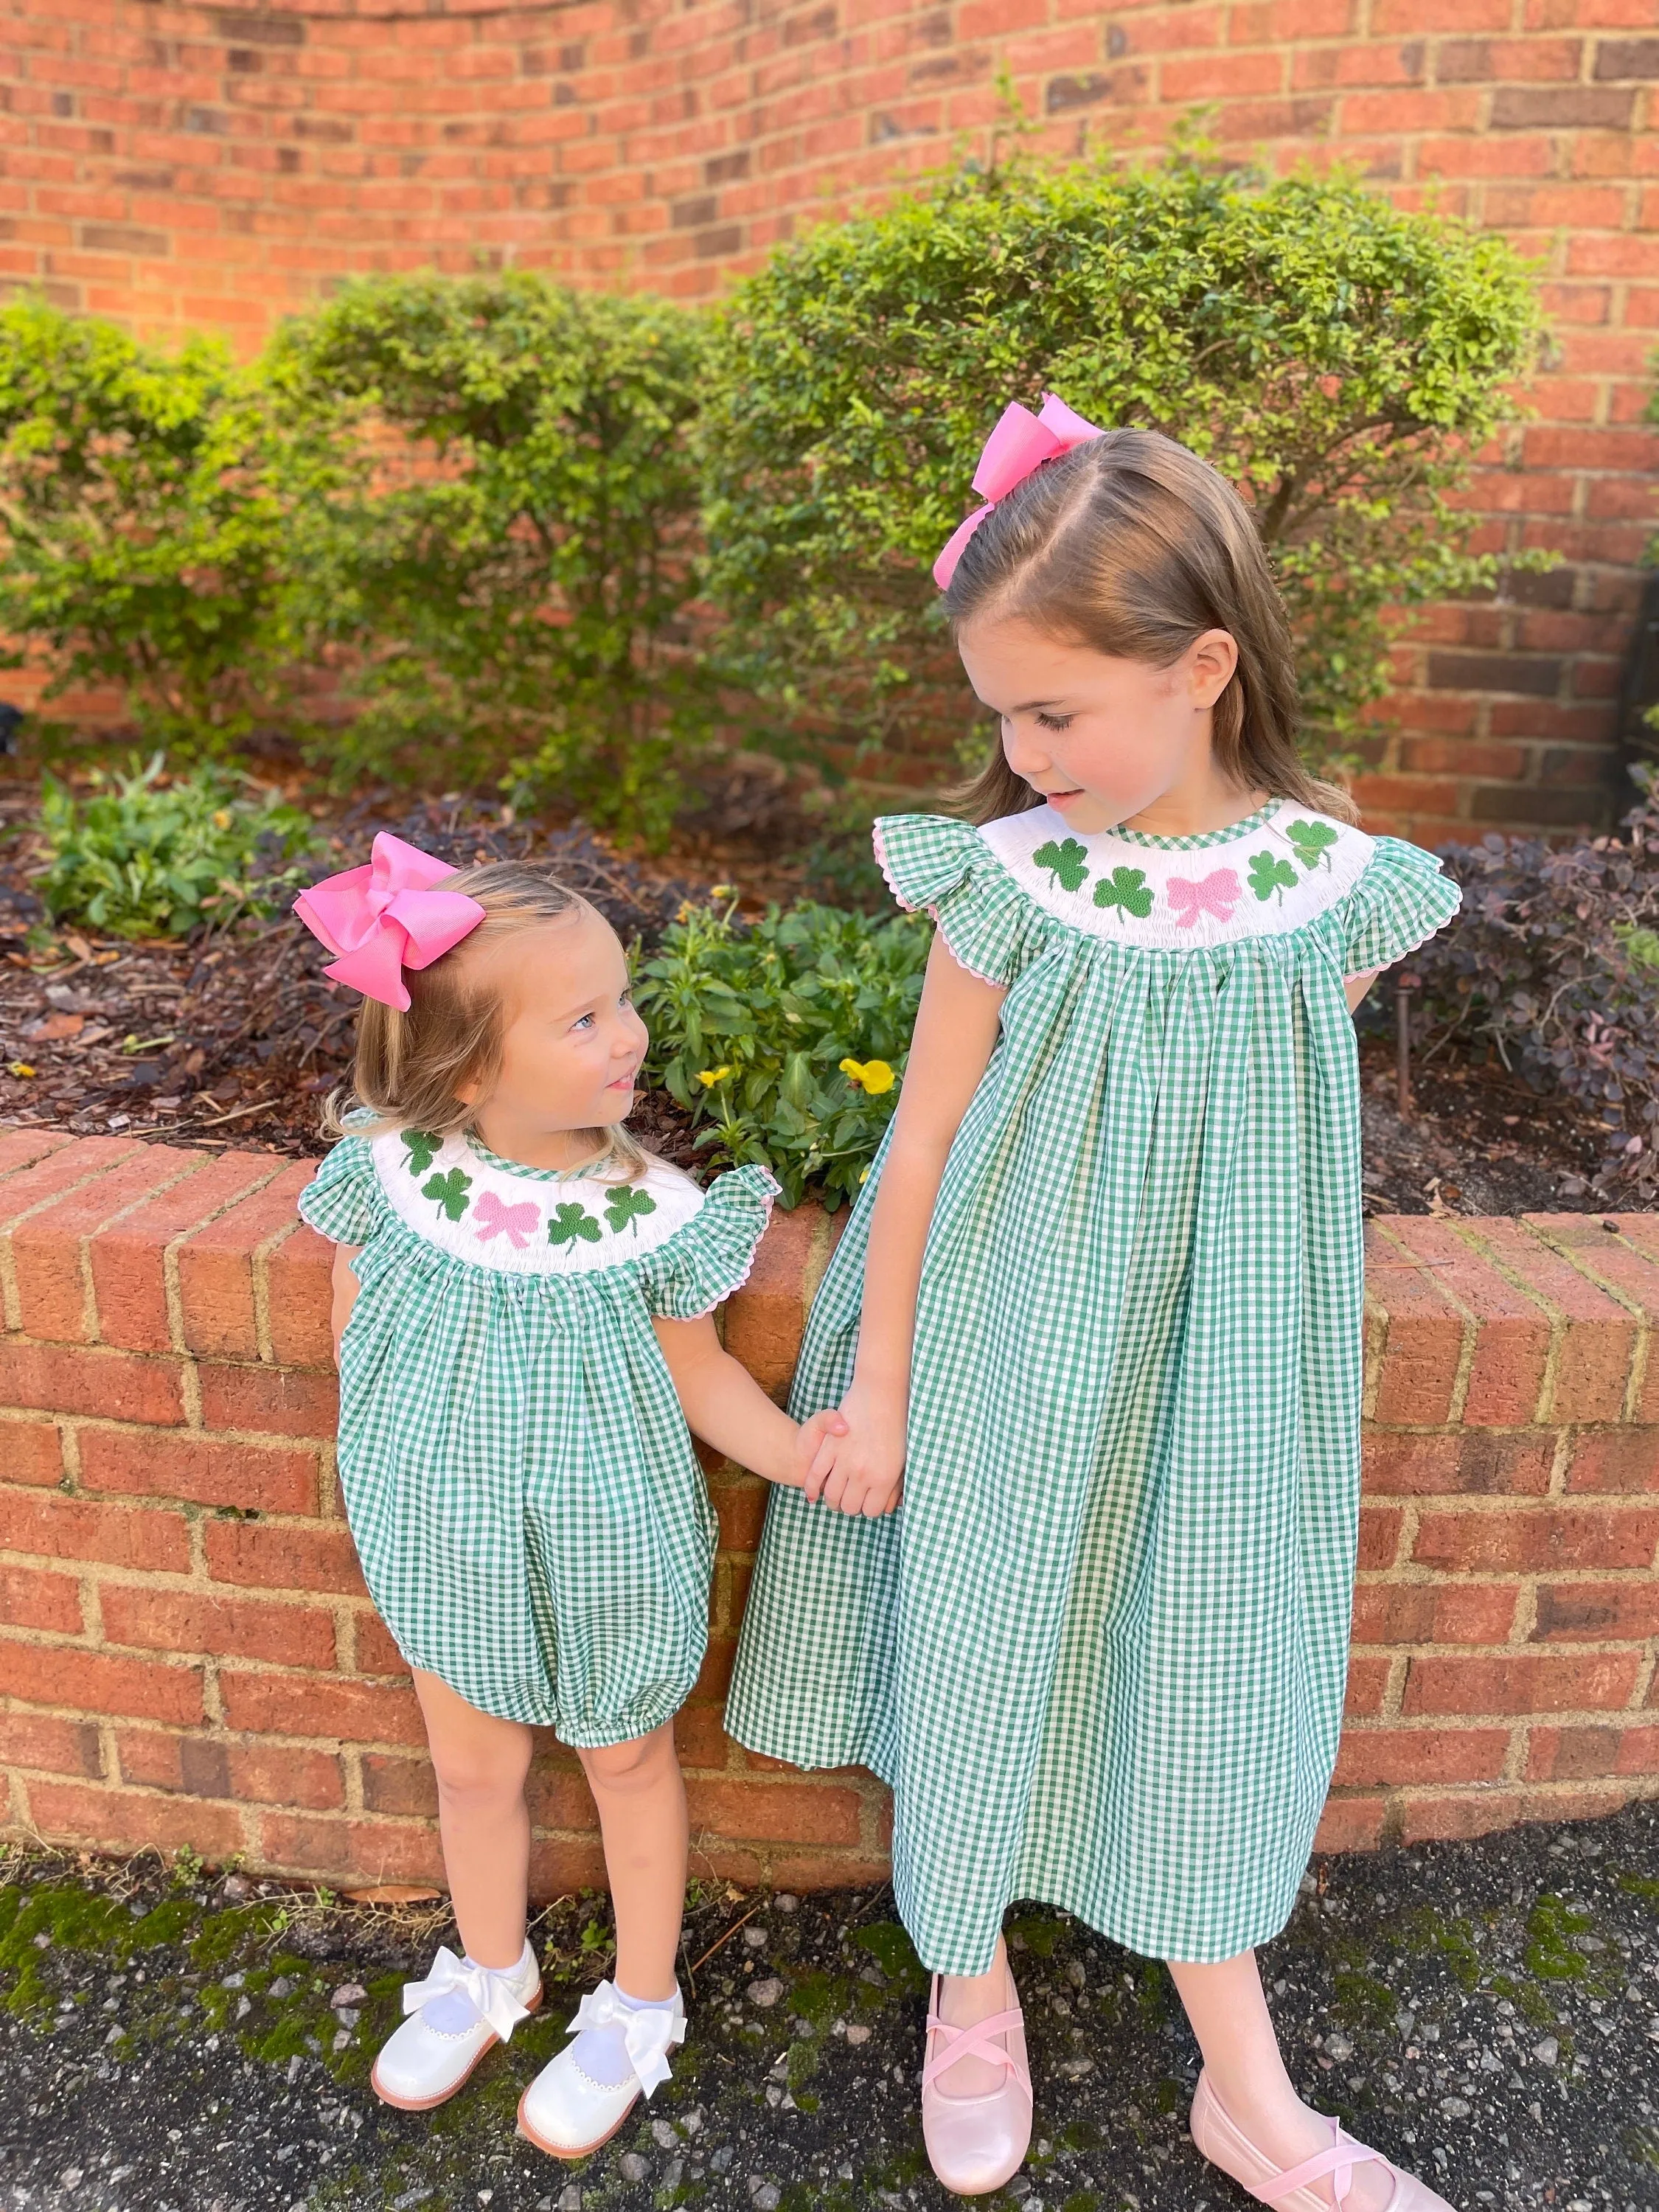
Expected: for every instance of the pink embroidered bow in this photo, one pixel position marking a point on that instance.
(1020, 442)
(1215, 895)
(386, 917)
(518, 1223)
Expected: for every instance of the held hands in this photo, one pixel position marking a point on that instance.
(859, 1463)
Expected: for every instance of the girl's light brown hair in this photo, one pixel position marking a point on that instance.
(1133, 545)
(410, 1067)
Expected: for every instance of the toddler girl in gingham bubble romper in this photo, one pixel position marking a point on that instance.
(523, 1316)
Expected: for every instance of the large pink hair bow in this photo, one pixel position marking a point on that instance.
(1021, 441)
(386, 917)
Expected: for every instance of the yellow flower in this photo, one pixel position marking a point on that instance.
(708, 1077)
(20, 1068)
(722, 890)
(873, 1076)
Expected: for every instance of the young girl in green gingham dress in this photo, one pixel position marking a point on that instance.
(1099, 1309)
(523, 1316)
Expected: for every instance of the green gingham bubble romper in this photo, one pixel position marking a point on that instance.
(520, 1483)
(1099, 1652)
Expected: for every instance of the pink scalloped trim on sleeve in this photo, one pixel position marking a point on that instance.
(878, 846)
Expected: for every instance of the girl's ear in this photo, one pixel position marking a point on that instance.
(1212, 659)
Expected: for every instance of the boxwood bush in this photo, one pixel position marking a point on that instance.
(1338, 357)
(506, 585)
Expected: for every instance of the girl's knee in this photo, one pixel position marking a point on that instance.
(480, 1776)
(635, 1764)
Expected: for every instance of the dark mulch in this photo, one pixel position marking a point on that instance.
(235, 1039)
(1485, 2013)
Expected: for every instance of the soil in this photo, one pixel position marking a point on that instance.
(1484, 2014)
(235, 1039)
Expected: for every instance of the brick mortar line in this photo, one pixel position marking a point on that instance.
(171, 1287)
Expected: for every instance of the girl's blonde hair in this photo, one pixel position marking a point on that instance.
(409, 1066)
(1133, 545)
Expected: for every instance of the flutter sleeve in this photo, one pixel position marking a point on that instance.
(944, 868)
(342, 1202)
(1402, 898)
(711, 1256)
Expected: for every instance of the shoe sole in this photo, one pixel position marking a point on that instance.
(557, 2150)
(429, 2104)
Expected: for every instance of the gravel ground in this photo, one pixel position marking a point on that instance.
(1487, 2012)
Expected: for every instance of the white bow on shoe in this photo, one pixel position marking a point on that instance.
(648, 2033)
(564, 2110)
(488, 1990)
(459, 2012)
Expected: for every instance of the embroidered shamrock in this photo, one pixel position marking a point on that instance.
(1269, 874)
(1311, 840)
(623, 1203)
(1125, 888)
(449, 1193)
(422, 1148)
(1069, 862)
(571, 1221)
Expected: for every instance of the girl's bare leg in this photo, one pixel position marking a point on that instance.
(640, 1798)
(481, 1764)
(1228, 2008)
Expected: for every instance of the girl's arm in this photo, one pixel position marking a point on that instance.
(956, 1033)
(345, 1286)
(725, 1406)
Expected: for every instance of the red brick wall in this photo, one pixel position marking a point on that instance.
(187, 1654)
(183, 164)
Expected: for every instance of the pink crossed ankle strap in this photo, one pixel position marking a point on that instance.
(974, 2042)
(1339, 2160)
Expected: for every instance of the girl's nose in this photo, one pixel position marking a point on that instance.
(1024, 757)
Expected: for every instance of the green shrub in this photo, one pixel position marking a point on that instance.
(143, 498)
(510, 582)
(752, 1030)
(1335, 357)
(147, 855)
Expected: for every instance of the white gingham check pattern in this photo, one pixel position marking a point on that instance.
(1100, 1651)
(520, 1480)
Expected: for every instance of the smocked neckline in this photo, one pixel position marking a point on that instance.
(1225, 836)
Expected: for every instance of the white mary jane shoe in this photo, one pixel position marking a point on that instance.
(568, 2114)
(424, 2062)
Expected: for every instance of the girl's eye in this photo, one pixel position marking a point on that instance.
(583, 1022)
(1055, 721)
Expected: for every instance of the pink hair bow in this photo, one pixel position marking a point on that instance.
(518, 1223)
(386, 917)
(1021, 441)
(1218, 894)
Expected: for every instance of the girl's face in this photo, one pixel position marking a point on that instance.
(571, 1042)
(1101, 738)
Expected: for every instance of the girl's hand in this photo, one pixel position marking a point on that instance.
(861, 1469)
(810, 1438)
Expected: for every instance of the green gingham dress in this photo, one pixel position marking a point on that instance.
(517, 1474)
(1099, 1651)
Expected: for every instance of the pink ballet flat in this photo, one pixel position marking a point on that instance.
(976, 2143)
(1224, 2143)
